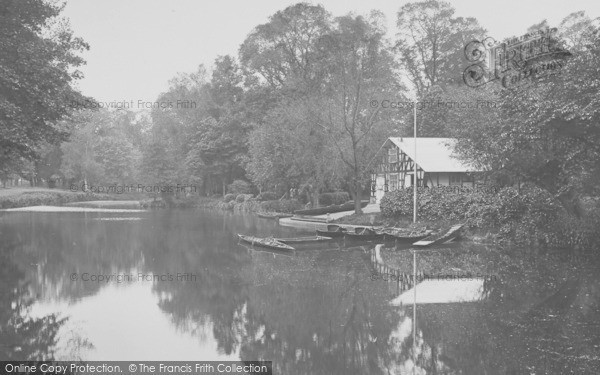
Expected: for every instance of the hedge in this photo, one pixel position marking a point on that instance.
(58, 198)
(285, 206)
(530, 215)
(241, 198)
(239, 187)
(267, 196)
(338, 197)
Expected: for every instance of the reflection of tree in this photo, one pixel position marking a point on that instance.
(313, 312)
(316, 320)
(533, 320)
(21, 336)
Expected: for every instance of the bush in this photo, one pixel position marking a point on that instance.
(337, 197)
(229, 197)
(528, 216)
(239, 187)
(285, 206)
(267, 196)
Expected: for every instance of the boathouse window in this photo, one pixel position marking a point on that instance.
(455, 179)
(392, 155)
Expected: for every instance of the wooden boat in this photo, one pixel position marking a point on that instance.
(441, 237)
(304, 240)
(404, 235)
(365, 234)
(349, 206)
(333, 231)
(262, 250)
(269, 243)
(273, 215)
(309, 218)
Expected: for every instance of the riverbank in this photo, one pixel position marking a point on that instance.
(26, 197)
(247, 203)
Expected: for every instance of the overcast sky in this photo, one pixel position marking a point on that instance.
(138, 45)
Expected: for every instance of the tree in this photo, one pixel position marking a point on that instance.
(360, 68)
(290, 150)
(284, 49)
(104, 147)
(38, 63)
(546, 131)
(79, 158)
(431, 43)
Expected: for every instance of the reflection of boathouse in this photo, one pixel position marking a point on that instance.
(436, 166)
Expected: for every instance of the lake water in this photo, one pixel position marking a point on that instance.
(176, 285)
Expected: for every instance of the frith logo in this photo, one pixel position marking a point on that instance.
(510, 62)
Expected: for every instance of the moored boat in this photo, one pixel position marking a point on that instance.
(404, 235)
(365, 234)
(269, 243)
(334, 231)
(309, 218)
(273, 215)
(349, 206)
(441, 237)
(304, 240)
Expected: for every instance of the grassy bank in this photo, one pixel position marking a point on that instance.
(246, 203)
(26, 197)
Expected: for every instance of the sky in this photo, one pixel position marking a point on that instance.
(137, 46)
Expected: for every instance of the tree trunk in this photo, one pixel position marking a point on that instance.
(315, 197)
(357, 198)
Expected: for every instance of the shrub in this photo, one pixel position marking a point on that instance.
(528, 216)
(240, 198)
(229, 197)
(239, 187)
(285, 206)
(267, 196)
(337, 197)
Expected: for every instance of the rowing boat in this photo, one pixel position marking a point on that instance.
(309, 218)
(333, 230)
(441, 237)
(348, 206)
(273, 215)
(304, 240)
(270, 243)
(365, 234)
(404, 235)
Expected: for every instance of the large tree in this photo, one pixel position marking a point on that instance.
(431, 41)
(38, 64)
(360, 69)
(546, 130)
(284, 49)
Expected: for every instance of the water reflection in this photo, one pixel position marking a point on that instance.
(310, 312)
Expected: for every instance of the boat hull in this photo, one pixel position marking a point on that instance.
(330, 209)
(304, 240)
(365, 237)
(325, 233)
(440, 238)
(269, 244)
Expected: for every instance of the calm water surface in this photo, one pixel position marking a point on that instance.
(182, 288)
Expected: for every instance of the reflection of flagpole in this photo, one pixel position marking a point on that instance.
(414, 311)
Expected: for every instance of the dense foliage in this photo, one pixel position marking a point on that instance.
(39, 57)
(337, 197)
(527, 214)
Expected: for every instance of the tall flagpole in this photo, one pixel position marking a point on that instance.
(415, 181)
